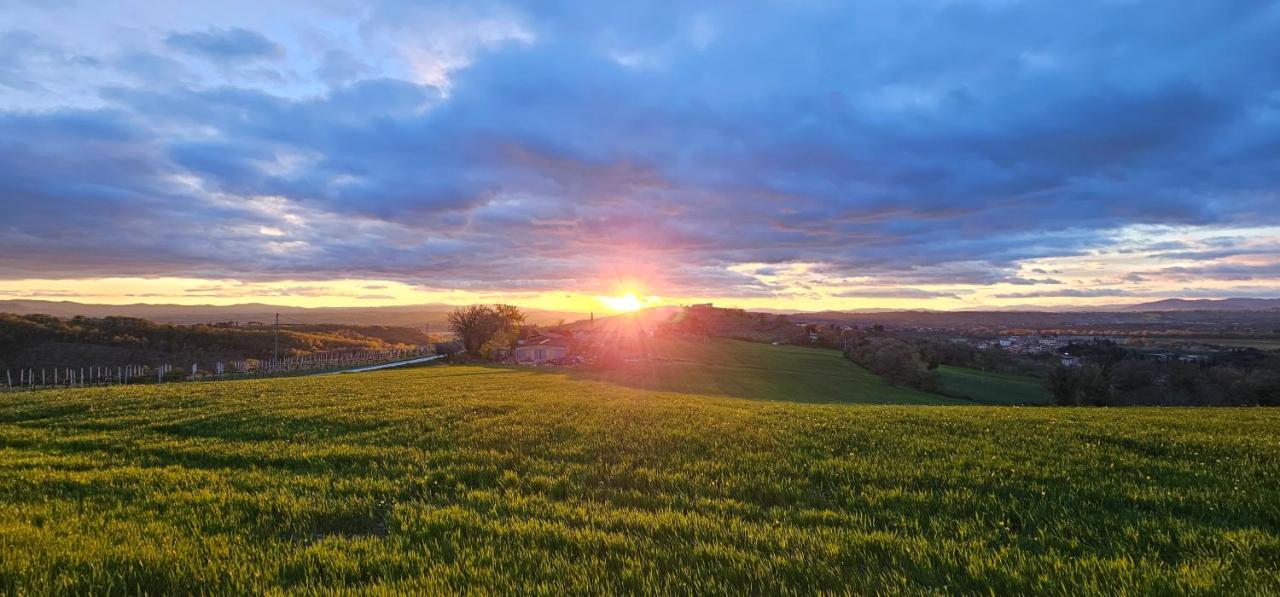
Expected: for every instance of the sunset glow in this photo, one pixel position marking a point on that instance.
(148, 160)
(520, 296)
(628, 302)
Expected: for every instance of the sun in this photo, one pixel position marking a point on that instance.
(627, 303)
(622, 304)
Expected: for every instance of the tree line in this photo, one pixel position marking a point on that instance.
(1111, 374)
(1107, 373)
(913, 362)
(48, 341)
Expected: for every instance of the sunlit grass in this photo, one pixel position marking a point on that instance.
(491, 479)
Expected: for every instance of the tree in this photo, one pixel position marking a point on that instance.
(1133, 375)
(509, 318)
(484, 330)
(1080, 386)
(896, 361)
(1062, 384)
(1095, 388)
(932, 355)
(471, 324)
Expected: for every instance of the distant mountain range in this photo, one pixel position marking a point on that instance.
(434, 315)
(416, 316)
(1174, 304)
(1227, 304)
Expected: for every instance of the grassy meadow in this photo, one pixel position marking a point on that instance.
(991, 388)
(758, 371)
(488, 479)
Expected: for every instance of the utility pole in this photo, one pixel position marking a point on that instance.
(275, 350)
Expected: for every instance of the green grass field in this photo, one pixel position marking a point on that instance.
(494, 479)
(991, 388)
(761, 372)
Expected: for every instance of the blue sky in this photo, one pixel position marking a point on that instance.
(803, 154)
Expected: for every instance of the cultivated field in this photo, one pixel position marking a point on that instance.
(453, 477)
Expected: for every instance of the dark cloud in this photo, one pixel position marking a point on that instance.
(1224, 271)
(1030, 281)
(339, 67)
(1211, 254)
(694, 138)
(905, 293)
(1066, 293)
(225, 45)
(42, 293)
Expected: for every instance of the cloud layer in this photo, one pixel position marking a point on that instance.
(917, 150)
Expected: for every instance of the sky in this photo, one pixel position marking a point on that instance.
(798, 154)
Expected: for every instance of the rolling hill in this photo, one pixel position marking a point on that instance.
(1227, 304)
(494, 479)
(433, 315)
(988, 387)
(723, 367)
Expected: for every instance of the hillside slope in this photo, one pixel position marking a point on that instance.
(461, 478)
(988, 387)
(38, 341)
(722, 367)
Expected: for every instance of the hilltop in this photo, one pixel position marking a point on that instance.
(433, 315)
(38, 341)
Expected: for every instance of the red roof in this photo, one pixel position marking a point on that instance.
(544, 340)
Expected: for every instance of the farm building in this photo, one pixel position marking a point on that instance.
(540, 348)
